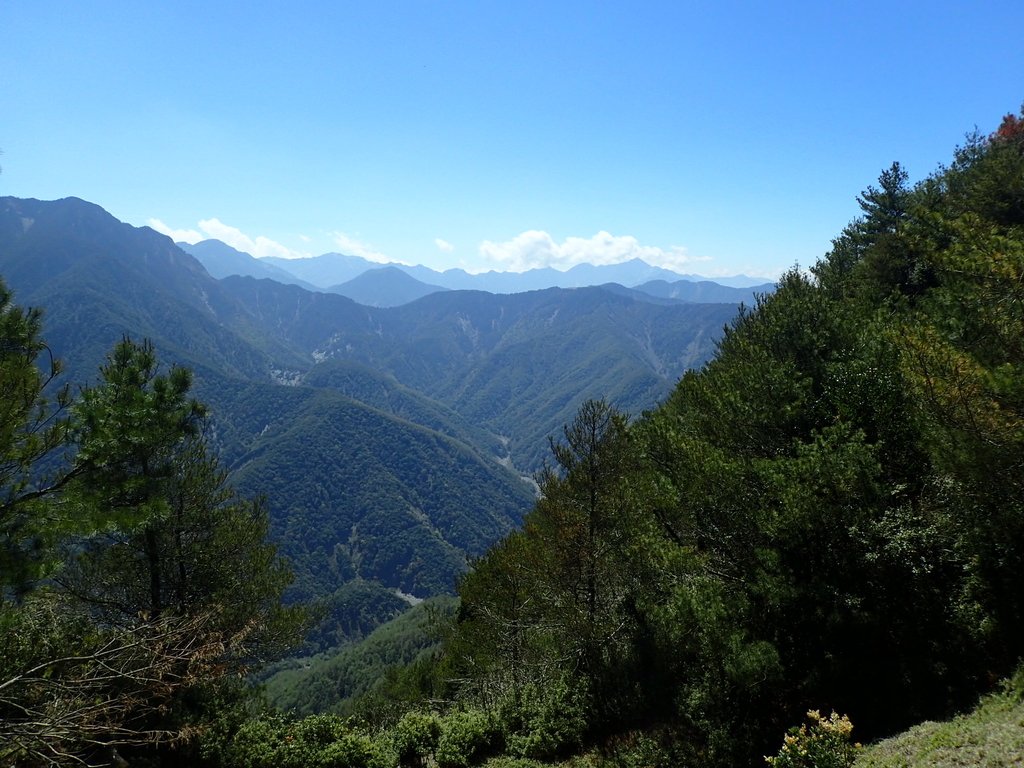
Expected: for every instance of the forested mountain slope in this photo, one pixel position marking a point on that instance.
(100, 279)
(359, 492)
(517, 364)
(389, 442)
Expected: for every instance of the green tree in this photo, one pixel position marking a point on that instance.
(169, 589)
(886, 208)
(963, 354)
(580, 524)
(32, 430)
(128, 431)
(203, 552)
(499, 639)
(870, 256)
(547, 613)
(186, 543)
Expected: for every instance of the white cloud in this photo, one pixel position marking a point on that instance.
(352, 247)
(443, 245)
(214, 228)
(177, 235)
(260, 246)
(534, 249)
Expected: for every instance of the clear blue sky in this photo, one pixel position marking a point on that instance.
(721, 137)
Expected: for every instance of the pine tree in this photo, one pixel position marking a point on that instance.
(170, 588)
(184, 543)
(32, 430)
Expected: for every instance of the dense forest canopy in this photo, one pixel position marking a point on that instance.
(828, 516)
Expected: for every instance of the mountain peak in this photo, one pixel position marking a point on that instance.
(386, 286)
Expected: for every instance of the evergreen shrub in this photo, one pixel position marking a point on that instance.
(546, 723)
(467, 737)
(415, 738)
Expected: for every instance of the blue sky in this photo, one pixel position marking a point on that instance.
(712, 137)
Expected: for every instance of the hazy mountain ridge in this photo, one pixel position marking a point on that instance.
(221, 260)
(330, 271)
(385, 287)
(324, 270)
(704, 291)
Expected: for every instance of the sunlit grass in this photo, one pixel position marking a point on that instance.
(992, 736)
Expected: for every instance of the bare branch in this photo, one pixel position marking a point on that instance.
(59, 711)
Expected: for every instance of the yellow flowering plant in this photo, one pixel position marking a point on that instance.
(822, 742)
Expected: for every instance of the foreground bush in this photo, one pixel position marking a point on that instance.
(319, 741)
(415, 738)
(467, 737)
(825, 744)
(546, 723)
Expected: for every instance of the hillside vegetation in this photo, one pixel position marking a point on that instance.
(989, 736)
(517, 365)
(333, 682)
(829, 516)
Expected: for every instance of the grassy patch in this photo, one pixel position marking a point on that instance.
(992, 736)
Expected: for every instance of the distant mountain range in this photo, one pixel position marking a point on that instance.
(389, 441)
(384, 287)
(221, 260)
(390, 285)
